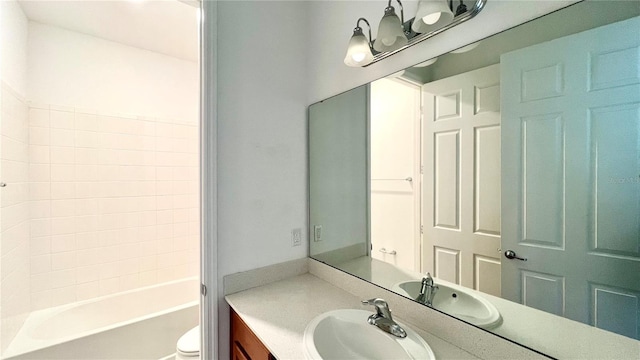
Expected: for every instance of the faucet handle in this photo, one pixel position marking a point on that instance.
(428, 280)
(382, 308)
(370, 301)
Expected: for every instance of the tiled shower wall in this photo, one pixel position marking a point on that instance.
(113, 203)
(14, 214)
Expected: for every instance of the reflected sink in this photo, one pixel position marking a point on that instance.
(456, 301)
(345, 334)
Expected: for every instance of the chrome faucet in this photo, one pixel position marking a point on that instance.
(382, 318)
(427, 291)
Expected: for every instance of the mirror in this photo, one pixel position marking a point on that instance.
(508, 169)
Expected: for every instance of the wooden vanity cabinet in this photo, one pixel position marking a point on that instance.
(245, 345)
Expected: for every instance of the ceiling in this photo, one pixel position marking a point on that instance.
(168, 27)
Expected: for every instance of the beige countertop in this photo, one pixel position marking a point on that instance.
(279, 312)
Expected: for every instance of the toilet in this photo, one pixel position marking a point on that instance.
(188, 346)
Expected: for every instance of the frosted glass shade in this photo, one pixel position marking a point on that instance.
(431, 15)
(358, 52)
(467, 48)
(426, 63)
(390, 33)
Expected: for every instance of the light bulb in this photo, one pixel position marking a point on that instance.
(388, 41)
(431, 18)
(358, 57)
(358, 51)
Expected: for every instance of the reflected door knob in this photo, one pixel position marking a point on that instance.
(510, 254)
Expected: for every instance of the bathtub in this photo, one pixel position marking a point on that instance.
(143, 323)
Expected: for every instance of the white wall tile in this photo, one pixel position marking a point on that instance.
(129, 282)
(40, 245)
(40, 299)
(63, 225)
(40, 282)
(62, 278)
(86, 122)
(62, 137)
(87, 273)
(40, 264)
(63, 243)
(39, 209)
(63, 207)
(39, 117)
(39, 154)
(148, 278)
(86, 224)
(40, 191)
(64, 295)
(86, 156)
(110, 203)
(63, 190)
(86, 173)
(63, 172)
(39, 136)
(62, 120)
(63, 261)
(63, 155)
(109, 286)
(86, 139)
(87, 240)
(40, 227)
(87, 290)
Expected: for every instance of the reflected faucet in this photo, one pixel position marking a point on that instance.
(427, 291)
(382, 318)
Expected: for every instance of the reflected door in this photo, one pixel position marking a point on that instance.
(461, 198)
(571, 185)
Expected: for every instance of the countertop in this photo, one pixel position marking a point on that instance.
(279, 312)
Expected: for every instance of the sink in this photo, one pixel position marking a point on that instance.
(457, 301)
(345, 334)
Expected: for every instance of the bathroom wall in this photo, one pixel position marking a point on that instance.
(261, 133)
(261, 138)
(113, 167)
(14, 209)
(71, 69)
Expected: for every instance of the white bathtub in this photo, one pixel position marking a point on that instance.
(138, 324)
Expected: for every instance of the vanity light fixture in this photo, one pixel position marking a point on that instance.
(395, 35)
(359, 50)
(391, 35)
(431, 15)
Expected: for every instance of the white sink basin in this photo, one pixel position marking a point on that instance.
(456, 301)
(345, 334)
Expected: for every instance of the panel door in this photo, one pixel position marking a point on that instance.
(461, 197)
(395, 170)
(571, 185)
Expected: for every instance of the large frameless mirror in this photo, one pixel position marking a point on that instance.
(509, 170)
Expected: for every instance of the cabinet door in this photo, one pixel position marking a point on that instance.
(237, 353)
(244, 343)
